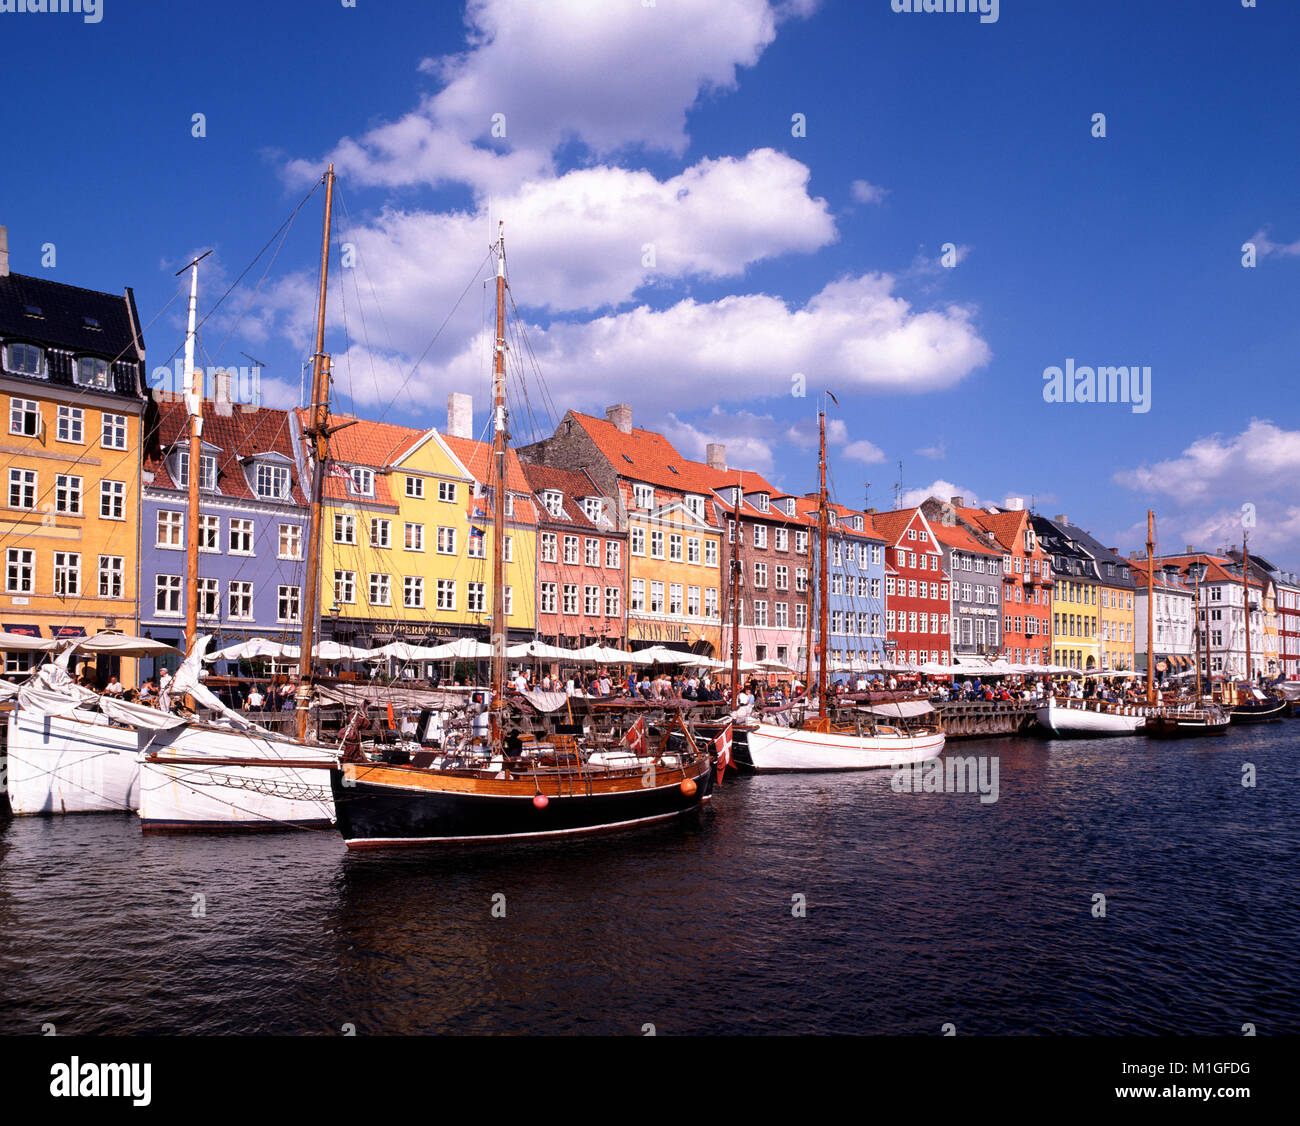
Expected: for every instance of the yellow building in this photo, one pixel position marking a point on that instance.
(72, 381)
(401, 553)
(1118, 619)
(1076, 632)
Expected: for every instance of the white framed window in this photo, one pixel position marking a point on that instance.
(656, 597)
(800, 615)
(782, 577)
(693, 549)
(67, 494)
(591, 552)
(508, 599)
(415, 487)
(239, 601)
(612, 602)
(446, 541)
(675, 548)
(591, 601)
(760, 574)
(207, 471)
(167, 595)
(210, 534)
(675, 601)
(67, 573)
(760, 612)
(345, 587)
(112, 500)
(710, 553)
(800, 580)
(548, 596)
(447, 492)
(362, 481)
(381, 532)
(656, 545)
(548, 547)
(643, 496)
(476, 597)
(413, 592)
(113, 431)
(290, 541)
(71, 425)
(288, 604)
(111, 570)
(571, 549)
(760, 536)
(271, 482)
(446, 594)
(209, 598)
(693, 601)
(636, 595)
(613, 556)
(25, 359)
(636, 540)
(345, 528)
(475, 543)
(22, 488)
(24, 417)
(170, 530)
(594, 508)
(570, 592)
(413, 537)
(711, 602)
(90, 371)
(381, 589)
(553, 500)
(781, 539)
(801, 542)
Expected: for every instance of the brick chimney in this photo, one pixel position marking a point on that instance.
(460, 415)
(715, 453)
(1061, 518)
(4, 252)
(620, 414)
(957, 502)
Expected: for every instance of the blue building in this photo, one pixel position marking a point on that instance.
(253, 524)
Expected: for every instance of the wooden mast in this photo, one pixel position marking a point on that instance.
(735, 596)
(499, 499)
(317, 432)
(1151, 606)
(1245, 591)
(194, 405)
(823, 610)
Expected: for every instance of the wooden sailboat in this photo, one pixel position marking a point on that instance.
(503, 789)
(821, 743)
(1178, 722)
(231, 774)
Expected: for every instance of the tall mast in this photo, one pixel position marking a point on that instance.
(194, 405)
(1196, 626)
(735, 596)
(823, 611)
(499, 496)
(317, 432)
(1245, 591)
(1151, 606)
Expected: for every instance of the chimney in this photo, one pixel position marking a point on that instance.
(870, 511)
(4, 252)
(1014, 504)
(221, 382)
(715, 453)
(957, 502)
(460, 415)
(620, 414)
(1061, 518)
(1190, 550)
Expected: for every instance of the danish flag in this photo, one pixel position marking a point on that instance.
(635, 737)
(722, 744)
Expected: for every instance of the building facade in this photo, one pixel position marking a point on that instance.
(72, 380)
(916, 588)
(974, 570)
(1174, 610)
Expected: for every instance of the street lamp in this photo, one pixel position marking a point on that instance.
(1197, 571)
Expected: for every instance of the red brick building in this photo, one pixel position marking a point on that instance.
(916, 588)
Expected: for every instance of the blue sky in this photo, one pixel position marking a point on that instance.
(669, 126)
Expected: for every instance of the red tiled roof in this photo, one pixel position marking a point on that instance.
(961, 537)
(477, 458)
(892, 526)
(572, 485)
(240, 434)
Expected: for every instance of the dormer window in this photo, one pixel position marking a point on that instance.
(362, 481)
(91, 371)
(831, 516)
(207, 471)
(594, 507)
(643, 496)
(271, 482)
(695, 505)
(857, 523)
(553, 500)
(25, 359)
(763, 502)
(789, 506)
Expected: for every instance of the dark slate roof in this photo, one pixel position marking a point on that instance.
(62, 323)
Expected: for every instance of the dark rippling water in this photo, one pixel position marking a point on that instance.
(921, 910)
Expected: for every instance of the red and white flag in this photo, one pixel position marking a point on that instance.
(722, 744)
(635, 737)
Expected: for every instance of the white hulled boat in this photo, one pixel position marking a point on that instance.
(1081, 719)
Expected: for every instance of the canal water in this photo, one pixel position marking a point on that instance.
(795, 904)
